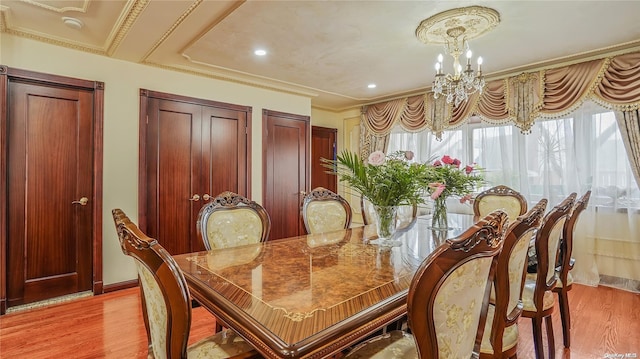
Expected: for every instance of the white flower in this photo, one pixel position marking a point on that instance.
(377, 158)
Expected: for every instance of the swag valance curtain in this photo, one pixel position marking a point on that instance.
(613, 82)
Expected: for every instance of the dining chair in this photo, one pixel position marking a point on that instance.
(325, 211)
(405, 215)
(500, 336)
(565, 280)
(165, 300)
(500, 197)
(448, 298)
(537, 295)
(231, 220)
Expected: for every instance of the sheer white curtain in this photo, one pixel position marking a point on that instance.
(582, 151)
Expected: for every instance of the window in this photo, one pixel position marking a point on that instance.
(573, 154)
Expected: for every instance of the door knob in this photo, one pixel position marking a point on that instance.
(206, 197)
(82, 201)
(195, 198)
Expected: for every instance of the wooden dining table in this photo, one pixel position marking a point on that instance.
(312, 296)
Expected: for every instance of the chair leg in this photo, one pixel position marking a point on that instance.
(563, 301)
(536, 323)
(550, 337)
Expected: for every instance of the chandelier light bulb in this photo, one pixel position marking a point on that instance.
(440, 58)
(469, 54)
(437, 68)
(480, 60)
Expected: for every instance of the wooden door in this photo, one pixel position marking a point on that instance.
(285, 171)
(51, 191)
(323, 145)
(191, 151)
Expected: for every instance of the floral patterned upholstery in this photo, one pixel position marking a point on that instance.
(516, 267)
(509, 337)
(457, 308)
(224, 344)
(393, 345)
(527, 295)
(325, 211)
(446, 299)
(326, 216)
(166, 301)
(156, 311)
(537, 296)
(500, 197)
(456, 315)
(500, 337)
(231, 220)
(234, 228)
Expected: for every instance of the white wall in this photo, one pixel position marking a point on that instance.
(123, 80)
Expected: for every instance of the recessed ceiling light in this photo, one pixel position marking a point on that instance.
(260, 52)
(372, 86)
(72, 22)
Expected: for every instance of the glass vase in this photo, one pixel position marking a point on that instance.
(385, 217)
(439, 214)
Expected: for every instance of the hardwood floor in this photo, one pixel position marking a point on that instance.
(606, 322)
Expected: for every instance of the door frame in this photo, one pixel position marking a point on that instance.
(8, 74)
(265, 146)
(145, 94)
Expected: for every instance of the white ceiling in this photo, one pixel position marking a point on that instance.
(327, 50)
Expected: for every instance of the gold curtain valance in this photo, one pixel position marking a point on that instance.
(612, 82)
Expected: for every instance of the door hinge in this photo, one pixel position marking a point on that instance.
(147, 119)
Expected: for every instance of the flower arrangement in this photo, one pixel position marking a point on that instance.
(449, 179)
(385, 180)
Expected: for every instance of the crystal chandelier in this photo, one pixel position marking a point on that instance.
(458, 86)
(453, 28)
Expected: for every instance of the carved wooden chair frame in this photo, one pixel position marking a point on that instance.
(566, 264)
(483, 239)
(543, 283)
(230, 201)
(323, 194)
(159, 262)
(500, 190)
(503, 318)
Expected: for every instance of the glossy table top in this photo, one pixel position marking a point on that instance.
(312, 295)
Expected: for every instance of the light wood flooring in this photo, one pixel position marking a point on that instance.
(606, 323)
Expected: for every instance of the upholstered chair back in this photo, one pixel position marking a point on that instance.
(325, 211)
(500, 197)
(165, 300)
(166, 304)
(501, 332)
(566, 245)
(547, 245)
(449, 295)
(231, 220)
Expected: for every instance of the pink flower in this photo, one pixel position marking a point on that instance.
(437, 163)
(433, 185)
(447, 160)
(438, 191)
(465, 198)
(376, 158)
(468, 169)
(456, 162)
(408, 155)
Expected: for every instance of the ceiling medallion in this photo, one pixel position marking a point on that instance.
(453, 28)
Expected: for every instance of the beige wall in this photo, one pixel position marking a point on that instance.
(121, 106)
